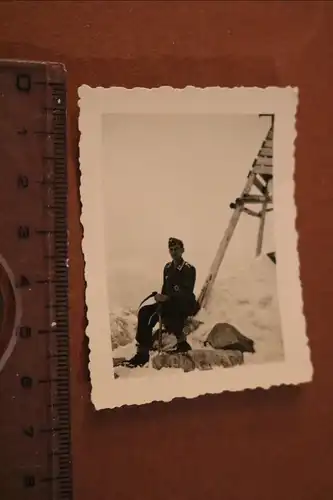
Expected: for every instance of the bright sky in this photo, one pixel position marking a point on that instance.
(175, 175)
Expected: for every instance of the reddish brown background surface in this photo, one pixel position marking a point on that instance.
(257, 445)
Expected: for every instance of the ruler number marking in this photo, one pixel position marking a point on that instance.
(22, 182)
(26, 382)
(29, 431)
(25, 332)
(23, 82)
(29, 481)
(23, 232)
(22, 282)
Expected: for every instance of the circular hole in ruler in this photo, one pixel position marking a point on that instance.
(10, 312)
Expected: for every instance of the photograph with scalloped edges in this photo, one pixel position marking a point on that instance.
(190, 242)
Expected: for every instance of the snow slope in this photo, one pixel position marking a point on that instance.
(247, 299)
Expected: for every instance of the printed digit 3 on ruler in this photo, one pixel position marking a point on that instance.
(35, 459)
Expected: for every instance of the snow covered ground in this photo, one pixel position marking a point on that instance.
(247, 299)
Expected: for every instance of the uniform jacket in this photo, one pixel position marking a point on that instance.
(178, 285)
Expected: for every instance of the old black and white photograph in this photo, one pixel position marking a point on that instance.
(190, 243)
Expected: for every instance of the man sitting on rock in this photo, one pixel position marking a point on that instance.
(175, 303)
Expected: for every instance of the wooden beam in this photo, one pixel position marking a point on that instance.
(263, 170)
(265, 161)
(252, 198)
(261, 228)
(272, 256)
(259, 185)
(266, 152)
(268, 144)
(251, 212)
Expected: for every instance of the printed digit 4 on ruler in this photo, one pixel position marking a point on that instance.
(35, 460)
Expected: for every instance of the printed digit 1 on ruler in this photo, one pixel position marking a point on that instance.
(35, 452)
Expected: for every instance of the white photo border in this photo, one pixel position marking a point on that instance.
(107, 392)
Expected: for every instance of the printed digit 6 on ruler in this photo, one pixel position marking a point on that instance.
(34, 346)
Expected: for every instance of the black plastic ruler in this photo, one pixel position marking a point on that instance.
(35, 436)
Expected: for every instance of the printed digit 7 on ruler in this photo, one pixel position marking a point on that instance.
(35, 458)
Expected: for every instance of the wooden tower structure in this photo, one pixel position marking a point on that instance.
(260, 179)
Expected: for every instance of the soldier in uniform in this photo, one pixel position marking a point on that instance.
(175, 303)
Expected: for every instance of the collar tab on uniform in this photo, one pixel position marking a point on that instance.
(180, 266)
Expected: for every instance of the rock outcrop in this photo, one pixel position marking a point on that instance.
(198, 359)
(226, 336)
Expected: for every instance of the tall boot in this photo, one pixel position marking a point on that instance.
(182, 345)
(139, 359)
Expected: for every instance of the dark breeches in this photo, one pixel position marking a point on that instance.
(173, 319)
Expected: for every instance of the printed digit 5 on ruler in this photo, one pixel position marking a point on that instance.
(35, 460)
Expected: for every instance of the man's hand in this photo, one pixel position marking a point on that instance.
(159, 297)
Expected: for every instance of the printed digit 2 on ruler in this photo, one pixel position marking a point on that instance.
(34, 346)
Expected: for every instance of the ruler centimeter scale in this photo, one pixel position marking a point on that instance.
(35, 450)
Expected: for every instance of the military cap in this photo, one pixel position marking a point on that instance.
(175, 242)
